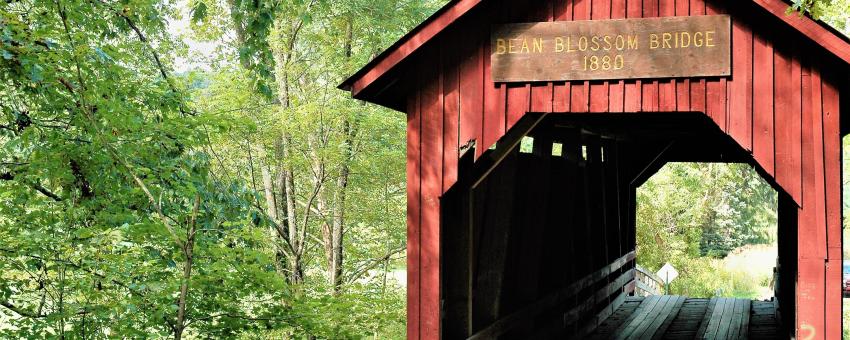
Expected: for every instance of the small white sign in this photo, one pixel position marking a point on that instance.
(667, 273)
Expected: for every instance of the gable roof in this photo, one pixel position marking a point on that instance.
(822, 34)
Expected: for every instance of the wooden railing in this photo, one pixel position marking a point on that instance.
(648, 283)
(566, 294)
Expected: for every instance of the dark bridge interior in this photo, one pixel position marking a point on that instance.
(541, 244)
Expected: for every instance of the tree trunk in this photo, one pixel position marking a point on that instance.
(268, 189)
(188, 252)
(337, 231)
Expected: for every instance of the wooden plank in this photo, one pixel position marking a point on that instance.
(602, 316)
(725, 321)
(413, 224)
(812, 234)
(735, 321)
(833, 310)
(643, 316)
(518, 103)
(494, 97)
(832, 172)
(656, 318)
(616, 90)
(667, 87)
(745, 321)
(620, 316)
(740, 86)
(472, 88)
(563, 10)
(580, 91)
(683, 86)
(697, 94)
(810, 298)
(787, 115)
(518, 96)
(491, 252)
(632, 90)
(832, 159)
(830, 41)
(509, 144)
(554, 299)
(599, 297)
(716, 88)
(431, 190)
(712, 304)
(541, 93)
(662, 322)
(600, 10)
(712, 319)
(451, 111)
(688, 320)
(763, 112)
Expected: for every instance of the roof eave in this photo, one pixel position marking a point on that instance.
(828, 38)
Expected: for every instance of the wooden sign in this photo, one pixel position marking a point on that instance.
(667, 47)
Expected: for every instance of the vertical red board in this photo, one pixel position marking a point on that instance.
(649, 90)
(833, 268)
(518, 94)
(413, 189)
(697, 94)
(599, 9)
(494, 98)
(563, 10)
(763, 122)
(632, 89)
(451, 111)
(431, 190)
(787, 115)
(833, 298)
(580, 91)
(667, 87)
(683, 86)
(740, 86)
(832, 172)
(517, 104)
(471, 77)
(832, 160)
(809, 241)
(715, 92)
(616, 91)
(541, 93)
(810, 295)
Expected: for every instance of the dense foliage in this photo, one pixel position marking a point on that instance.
(247, 198)
(695, 214)
(137, 202)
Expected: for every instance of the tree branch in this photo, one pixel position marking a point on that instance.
(371, 264)
(8, 176)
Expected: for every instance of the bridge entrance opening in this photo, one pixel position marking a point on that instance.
(710, 225)
(539, 236)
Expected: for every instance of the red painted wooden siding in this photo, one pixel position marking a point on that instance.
(777, 104)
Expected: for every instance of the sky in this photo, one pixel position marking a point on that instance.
(200, 53)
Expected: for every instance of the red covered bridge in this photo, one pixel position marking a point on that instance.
(484, 219)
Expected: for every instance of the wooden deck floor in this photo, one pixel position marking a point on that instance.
(678, 317)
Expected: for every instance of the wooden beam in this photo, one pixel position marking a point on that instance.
(506, 323)
(510, 141)
(818, 33)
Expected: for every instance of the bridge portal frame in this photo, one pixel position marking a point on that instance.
(781, 105)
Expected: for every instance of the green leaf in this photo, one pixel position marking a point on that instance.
(199, 12)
